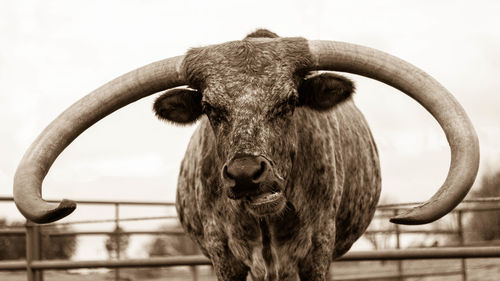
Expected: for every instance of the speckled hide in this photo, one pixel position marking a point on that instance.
(250, 100)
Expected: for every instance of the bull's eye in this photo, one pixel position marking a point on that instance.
(284, 108)
(215, 115)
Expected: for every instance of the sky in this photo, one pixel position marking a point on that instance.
(52, 53)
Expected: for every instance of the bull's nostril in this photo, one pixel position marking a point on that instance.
(226, 174)
(259, 172)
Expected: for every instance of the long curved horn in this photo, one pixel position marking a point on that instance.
(462, 138)
(80, 116)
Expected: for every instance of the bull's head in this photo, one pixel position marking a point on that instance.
(248, 90)
(265, 80)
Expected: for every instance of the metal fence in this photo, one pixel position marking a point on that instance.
(34, 265)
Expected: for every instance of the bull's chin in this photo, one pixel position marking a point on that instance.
(266, 204)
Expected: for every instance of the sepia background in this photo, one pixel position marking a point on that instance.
(54, 52)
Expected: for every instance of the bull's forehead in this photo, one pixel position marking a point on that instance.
(247, 71)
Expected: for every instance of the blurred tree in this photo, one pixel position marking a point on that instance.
(117, 240)
(380, 222)
(375, 235)
(443, 232)
(53, 247)
(485, 225)
(12, 246)
(59, 247)
(172, 245)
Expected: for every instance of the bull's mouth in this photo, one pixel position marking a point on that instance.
(267, 203)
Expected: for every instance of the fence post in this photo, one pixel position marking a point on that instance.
(117, 238)
(462, 243)
(33, 250)
(194, 272)
(398, 246)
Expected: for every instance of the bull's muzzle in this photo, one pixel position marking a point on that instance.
(252, 179)
(245, 174)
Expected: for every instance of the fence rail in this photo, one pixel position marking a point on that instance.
(35, 266)
(436, 253)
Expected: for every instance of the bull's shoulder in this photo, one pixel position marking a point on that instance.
(337, 169)
(197, 182)
(362, 182)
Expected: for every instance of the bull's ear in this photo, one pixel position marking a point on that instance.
(180, 105)
(325, 90)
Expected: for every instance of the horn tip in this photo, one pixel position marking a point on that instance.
(401, 220)
(411, 217)
(64, 208)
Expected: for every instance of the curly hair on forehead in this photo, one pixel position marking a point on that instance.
(250, 58)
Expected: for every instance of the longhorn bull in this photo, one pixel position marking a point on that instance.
(282, 174)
